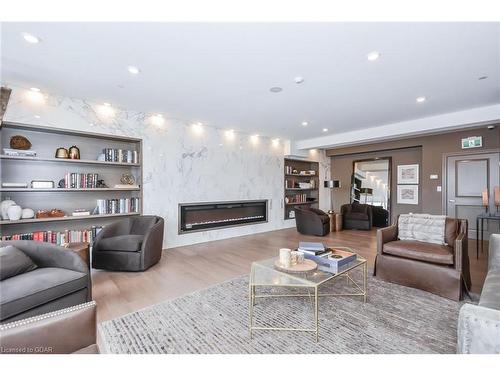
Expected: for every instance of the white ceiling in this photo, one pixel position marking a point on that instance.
(220, 74)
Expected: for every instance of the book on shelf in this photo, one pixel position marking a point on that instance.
(14, 184)
(297, 198)
(81, 212)
(16, 152)
(126, 186)
(80, 180)
(58, 237)
(118, 155)
(117, 206)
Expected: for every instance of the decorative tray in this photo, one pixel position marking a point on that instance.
(306, 266)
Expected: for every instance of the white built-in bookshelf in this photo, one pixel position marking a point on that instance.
(45, 166)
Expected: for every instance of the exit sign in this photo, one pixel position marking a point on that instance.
(472, 142)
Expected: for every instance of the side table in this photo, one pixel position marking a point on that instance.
(82, 249)
(335, 222)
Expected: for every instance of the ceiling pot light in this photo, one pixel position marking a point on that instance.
(106, 110)
(275, 89)
(276, 142)
(30, 38)
(298, 79)
(197, 128)
(372, 56)
(133, 70)
(325, 130)
(421, 99)
(157, 120)
(35, 89)
(254, 139)
(37, 116)
(305, 123)
(35, 96)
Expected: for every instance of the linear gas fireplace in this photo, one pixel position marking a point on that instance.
(195, 217)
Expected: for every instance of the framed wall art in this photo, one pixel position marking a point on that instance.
(407, 194)
(408, 174)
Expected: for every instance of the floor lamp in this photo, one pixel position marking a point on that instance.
(332, 184)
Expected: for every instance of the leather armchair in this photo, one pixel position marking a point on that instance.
(71, 330)
(439, 269)
(357, 216)
(312, 221)
(380, 217)
(62, 279)
(131, 244)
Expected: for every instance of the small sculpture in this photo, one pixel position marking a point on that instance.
(19, 142)
(4, 206)
(27, 213)
(127, 179)
(62, 153)
(74, 152)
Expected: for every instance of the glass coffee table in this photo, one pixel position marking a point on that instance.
(264, 274)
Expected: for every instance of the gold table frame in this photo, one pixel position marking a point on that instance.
(252, 295)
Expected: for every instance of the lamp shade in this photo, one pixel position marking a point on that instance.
(485, 197)
(331, 184)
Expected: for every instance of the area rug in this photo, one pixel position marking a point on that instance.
(395, 319)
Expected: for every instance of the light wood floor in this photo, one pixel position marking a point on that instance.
(189, 268)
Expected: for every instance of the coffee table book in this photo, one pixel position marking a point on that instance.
(334, 262)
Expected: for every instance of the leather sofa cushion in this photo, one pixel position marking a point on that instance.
(14, 262)
(423, 251)
(357, 216)
(451, 231)
(127, 242)
(31, 289)
(490, 296)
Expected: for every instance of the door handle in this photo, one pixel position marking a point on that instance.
(451, 200)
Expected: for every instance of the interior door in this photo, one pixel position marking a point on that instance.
(467, 177)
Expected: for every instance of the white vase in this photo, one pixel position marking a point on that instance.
(4, 206)
(27, 213)
(14, 212)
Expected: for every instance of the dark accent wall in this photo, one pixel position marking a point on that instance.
(428, 151)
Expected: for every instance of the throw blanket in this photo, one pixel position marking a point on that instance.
(422, 227)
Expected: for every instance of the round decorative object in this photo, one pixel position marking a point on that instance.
(74, 152)
(4, 206)
(15, 211)
(62, 153)
(55, 212)
(61, 183)
(127, 179)
(27, 213)
(306, 266)
(19, 142)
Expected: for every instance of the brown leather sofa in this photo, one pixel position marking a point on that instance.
(356, 216)
(312, 221)
(71, 330)
(439, 269)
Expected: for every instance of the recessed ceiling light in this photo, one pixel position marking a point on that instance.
(482, 77)
(298, 79)
(491, 127)
(276, 142)
(276, 89)
(305, 123)
(35, 89)
(133, 70)
(197, 127)
(106, 104)
(421, 99)
(157, 119)
(372, 56)
(325, 130)
(37, 116)
(30, 38)
(230, 134)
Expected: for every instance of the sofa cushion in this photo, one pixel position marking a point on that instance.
(127, 242)
(35, 288)
(357, 216)
(14, 262)
(423, 251)
(490, 296)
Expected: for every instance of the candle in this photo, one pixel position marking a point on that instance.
(485, 198)
(497, 196)
(285, 257)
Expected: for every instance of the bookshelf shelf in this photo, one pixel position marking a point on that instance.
(300, 203)
(79, 161)
(66, 218)
(44, 166)
(65, 190)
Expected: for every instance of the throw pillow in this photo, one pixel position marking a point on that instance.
(14, 262)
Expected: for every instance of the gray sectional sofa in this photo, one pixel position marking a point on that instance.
(58, 279)
(479, 325)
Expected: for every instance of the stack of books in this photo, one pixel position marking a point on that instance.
(121, 156)
(117, 206)
(80, 180)
(58, 238)
(332, 260)
(16, 152)
(313, 248)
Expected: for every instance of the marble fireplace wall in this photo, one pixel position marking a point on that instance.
(179, 165)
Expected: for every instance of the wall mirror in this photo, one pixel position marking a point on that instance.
(371, 183)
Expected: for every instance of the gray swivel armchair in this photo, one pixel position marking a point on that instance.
(131, 244)
(312, 221)
(56, 278)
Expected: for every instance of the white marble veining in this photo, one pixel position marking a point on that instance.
(179, 165)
